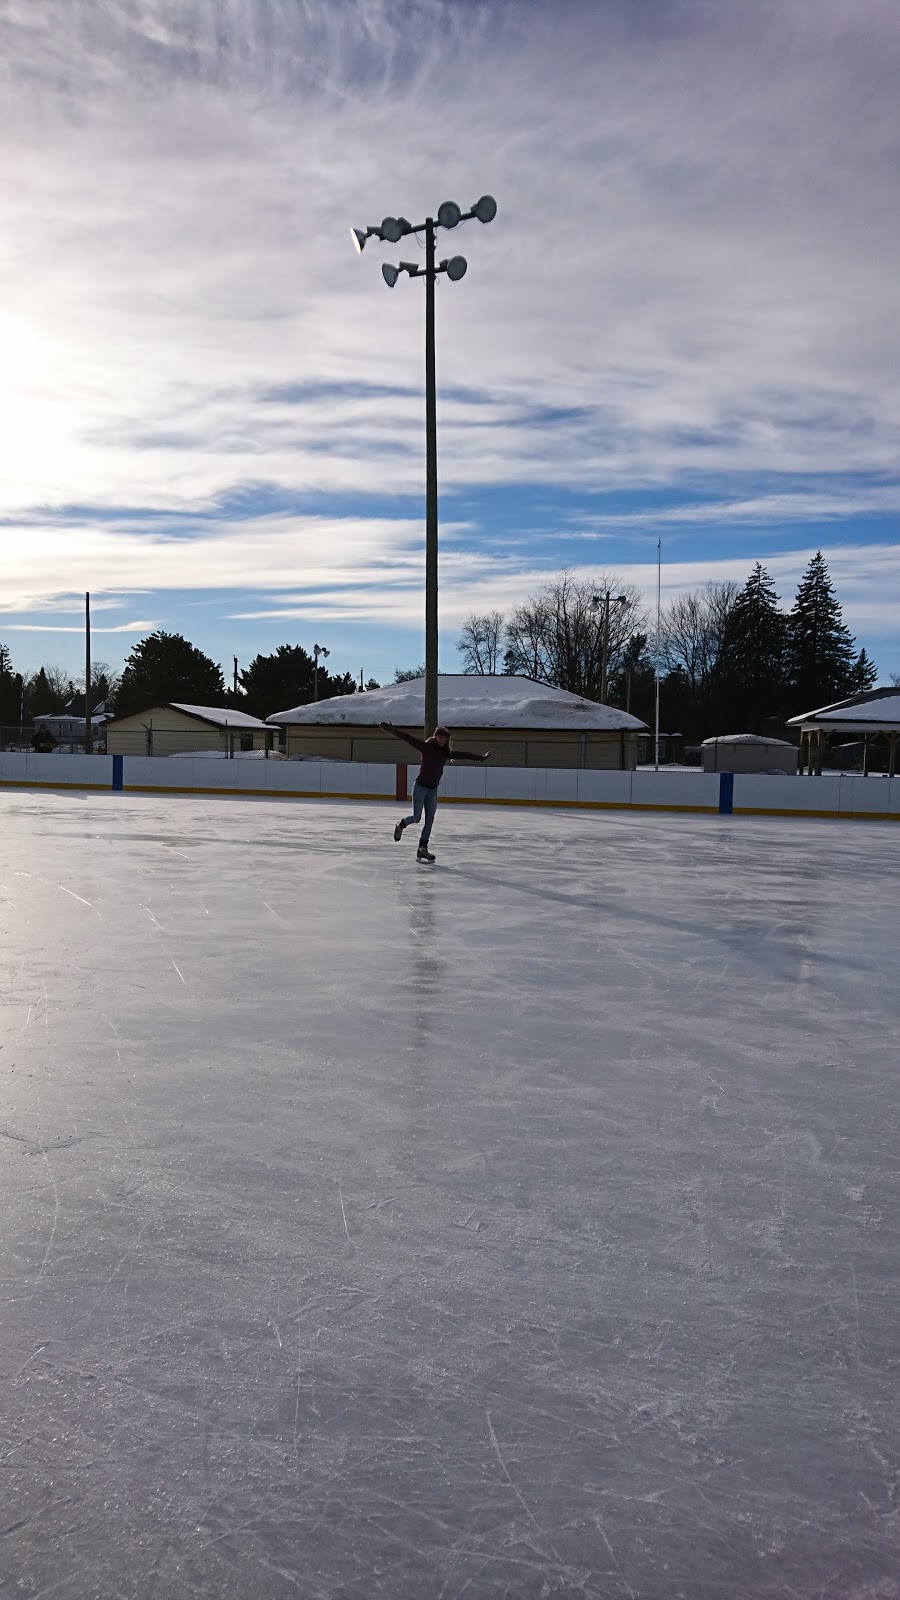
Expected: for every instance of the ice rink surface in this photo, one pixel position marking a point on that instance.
(524, 1226)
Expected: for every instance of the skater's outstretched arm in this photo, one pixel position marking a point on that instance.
(417, 744)
(468, 755)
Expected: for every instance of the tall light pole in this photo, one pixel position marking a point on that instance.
(597, 602)
(88, 740)
(318, 650)
(392, 230)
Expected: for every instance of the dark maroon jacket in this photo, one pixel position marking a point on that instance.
(434, 757)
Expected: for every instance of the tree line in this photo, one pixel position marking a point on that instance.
(166, 667)
(731, 660)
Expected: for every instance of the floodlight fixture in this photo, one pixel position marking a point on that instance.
(392, 230)
(485, 209)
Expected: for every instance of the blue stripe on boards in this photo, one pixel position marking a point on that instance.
(118, 777)
(726, 793)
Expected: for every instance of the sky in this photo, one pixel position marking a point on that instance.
(682, 325)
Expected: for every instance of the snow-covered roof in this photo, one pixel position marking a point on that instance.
(746, 738)
(465, 702)
(219, 716)
(222, 716)
(875, 712)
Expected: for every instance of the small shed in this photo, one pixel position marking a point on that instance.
(873, 717)
(524, 724)
(748, 752)
(173, 729)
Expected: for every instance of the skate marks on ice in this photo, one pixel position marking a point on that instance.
(437, 1238)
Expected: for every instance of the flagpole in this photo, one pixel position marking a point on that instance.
(658, 619)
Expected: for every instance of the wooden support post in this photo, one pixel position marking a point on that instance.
(865, 755)
(892, 755)
(820, 746)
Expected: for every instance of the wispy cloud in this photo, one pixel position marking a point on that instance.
(143, 626)
(691, 284)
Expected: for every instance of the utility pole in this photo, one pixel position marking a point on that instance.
(318, 650)
(597, 601)
(431, 495)
(88, 742)
(235, 676)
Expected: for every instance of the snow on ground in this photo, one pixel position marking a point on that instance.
(524, 1226)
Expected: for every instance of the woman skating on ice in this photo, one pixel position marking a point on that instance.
(435, 753)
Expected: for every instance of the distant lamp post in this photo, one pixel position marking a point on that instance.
(392, 230)
(601, 602)
(318, 650)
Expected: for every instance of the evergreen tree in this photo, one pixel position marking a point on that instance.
(821, 646)
(752, 662)
(165, 667)
(10, 689)
(40, 698)
(286, 679)
(865, 674)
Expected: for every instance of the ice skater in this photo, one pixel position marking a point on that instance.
(435, 753)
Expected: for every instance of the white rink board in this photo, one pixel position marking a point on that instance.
(831, 795)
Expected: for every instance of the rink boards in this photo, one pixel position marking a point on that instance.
(719, 793)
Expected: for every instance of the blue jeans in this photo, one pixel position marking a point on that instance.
(423, 800)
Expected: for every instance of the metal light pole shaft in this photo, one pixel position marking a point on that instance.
(88, 743)
(604, 649)
(431, 494)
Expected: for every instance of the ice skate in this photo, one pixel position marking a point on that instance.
(423, 853)
(398, 831)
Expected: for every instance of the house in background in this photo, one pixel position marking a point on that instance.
(174, 729)
(67, 726)
(524, 724)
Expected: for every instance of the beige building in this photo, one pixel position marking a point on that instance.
(175, 729)
(523, 723)
(748, 752)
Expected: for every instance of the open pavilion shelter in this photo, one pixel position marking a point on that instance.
(873, 717)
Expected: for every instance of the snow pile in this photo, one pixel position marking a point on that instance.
(465, 702)
(745, 738)
(222, 755)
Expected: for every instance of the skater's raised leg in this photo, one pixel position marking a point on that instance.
(418, 802)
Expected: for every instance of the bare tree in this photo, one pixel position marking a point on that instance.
(59, 683)
(557, 635)
(481, 642)
(104, 681)
(694, 629)
(695, 633)
(408, 674)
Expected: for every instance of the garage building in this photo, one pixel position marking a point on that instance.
(523, 722)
